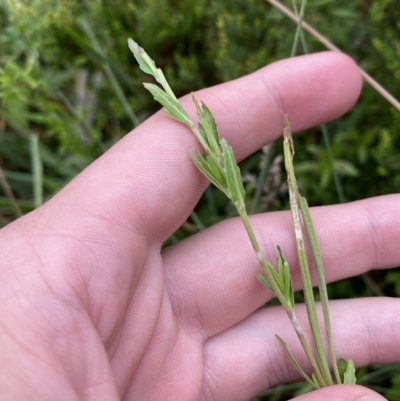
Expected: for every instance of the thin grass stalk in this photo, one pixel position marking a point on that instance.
(37, 170)
(312, 317)
(328, 44)
(261, 178)
(302, 257)
(325, 133)
(295, 363)
(9, 193)
(173, 239)
(250, 232)
(311, 231)
(289, 310)
(316, 253)
(109, 72)
(303, 38)
(324, 129)
(197, 221)
(211, 201)
(298, 33)
(336, 178)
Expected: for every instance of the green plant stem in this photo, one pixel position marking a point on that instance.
(37, 170)
(301, 253)
(250, 232)
(113, 80)
(296, 364)
(198, 135)
(321, 279)
(211, 201)
(312, 316)
(307, 217)
(219, 165)
(335, 174)
(288, 308)
(299, 31)
(261, 178)
(324, 128)
(197, 221)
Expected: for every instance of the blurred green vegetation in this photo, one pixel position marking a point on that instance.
(70, 88)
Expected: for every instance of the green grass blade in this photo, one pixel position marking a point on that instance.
(261, 177)
(295, 363)
(197, 221)
(336, 178)
(212, 206)
(316, 254)
(110, 75)
(233, 177)
(301, 252)
(324, 129)
(202, 164)
(37, 170)
(146, 64)
(299, 30)
(347, 371)
(172, 107)
(9, 193)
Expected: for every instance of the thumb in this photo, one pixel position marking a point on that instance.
(341, 392)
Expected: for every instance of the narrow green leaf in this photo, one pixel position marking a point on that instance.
(172, 106)
(211, 121)
(233, 177)
(217, 170)
(286, 277)
(296, 364)
(208, 127)
(350, 373)
(314, 379)
(264, 281)
(280, 262)
(277, 277)
(208, 122)
(214, 168)
(317, 258)
(204, 167)
(37, 170)
(342, 365)
(146, 64)
(203, 133)
(301, 254)
(347, 371)
(276, 283)
(213, 146)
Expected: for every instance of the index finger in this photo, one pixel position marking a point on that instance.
(147, 182)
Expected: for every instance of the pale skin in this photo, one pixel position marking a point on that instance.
(92, 309)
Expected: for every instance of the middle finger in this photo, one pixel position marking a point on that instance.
(211, 276)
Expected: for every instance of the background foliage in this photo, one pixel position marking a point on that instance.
(69, 89)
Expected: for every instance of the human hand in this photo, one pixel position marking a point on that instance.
(92, 309)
